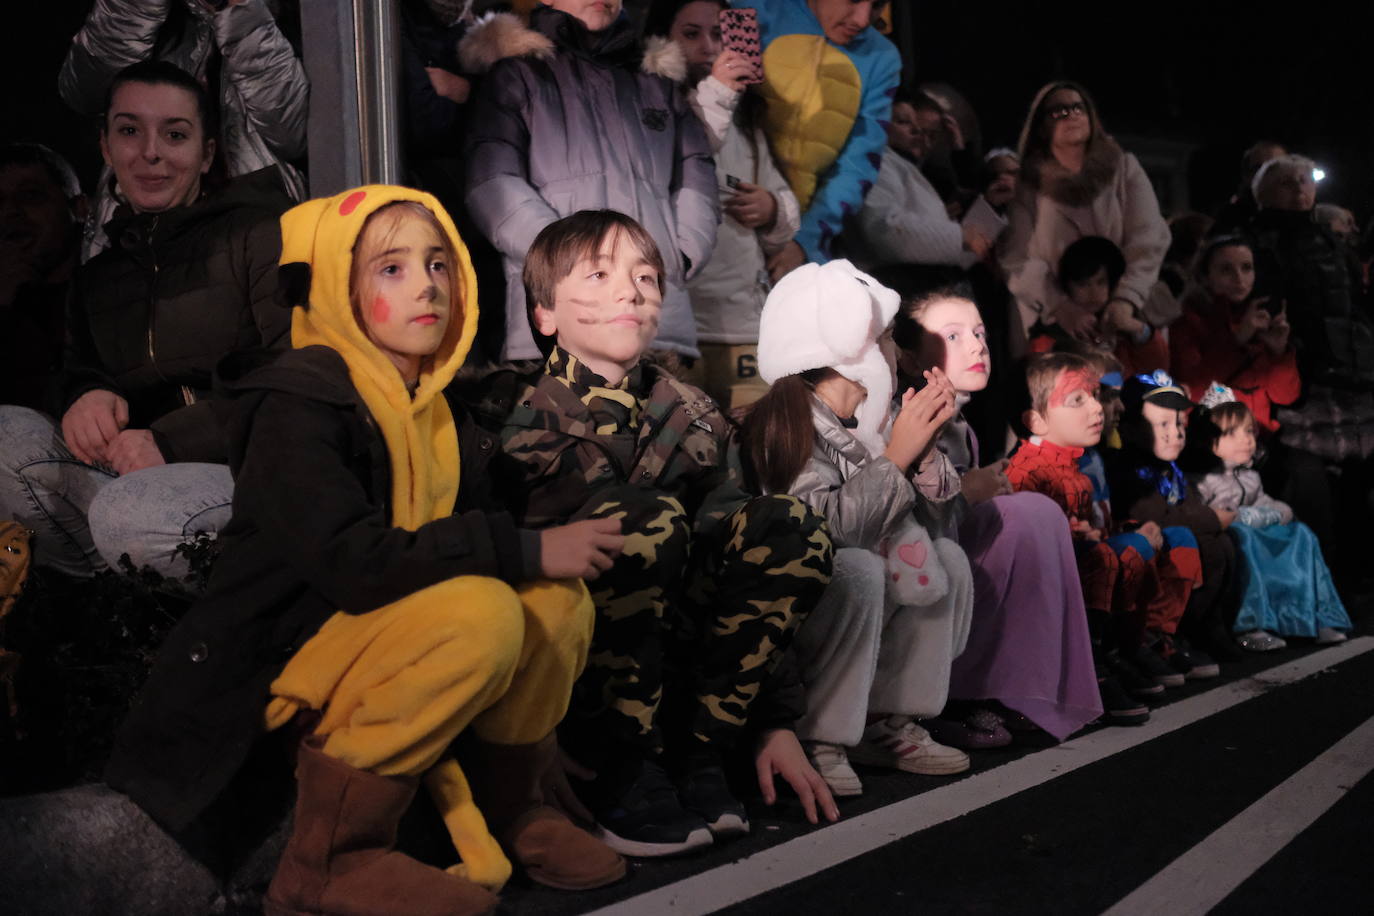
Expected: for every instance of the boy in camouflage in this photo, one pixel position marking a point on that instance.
(695, 613)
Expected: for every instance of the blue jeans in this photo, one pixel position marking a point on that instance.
(84, 517)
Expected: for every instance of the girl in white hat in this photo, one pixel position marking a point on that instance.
(876, 652)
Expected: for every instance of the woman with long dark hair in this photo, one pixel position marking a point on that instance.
(137, 464)
(760, 213)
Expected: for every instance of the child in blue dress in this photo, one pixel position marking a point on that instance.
(1287, 587)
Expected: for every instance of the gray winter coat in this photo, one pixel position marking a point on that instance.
(576, 126)
(263, 88)
(862, 498)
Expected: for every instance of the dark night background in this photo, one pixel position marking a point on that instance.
(1213, 75)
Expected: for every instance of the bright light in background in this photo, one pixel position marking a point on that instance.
(1318, 174)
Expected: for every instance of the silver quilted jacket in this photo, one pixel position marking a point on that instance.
(863, 497)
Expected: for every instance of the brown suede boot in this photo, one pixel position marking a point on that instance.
(339, 860)
(506, 783)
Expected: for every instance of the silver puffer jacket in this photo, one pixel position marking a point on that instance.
(863, 497)
(264, 92)
(1240, 488)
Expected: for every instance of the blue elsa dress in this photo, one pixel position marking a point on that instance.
(1287, 587)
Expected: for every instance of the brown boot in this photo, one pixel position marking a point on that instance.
(506, 783)
(339, 860)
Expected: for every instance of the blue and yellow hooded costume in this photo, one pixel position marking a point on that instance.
(828, 108)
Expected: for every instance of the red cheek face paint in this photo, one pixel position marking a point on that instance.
(381, 310)
(1069, 381)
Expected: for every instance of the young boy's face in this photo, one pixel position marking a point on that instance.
(1167, 427)
(1092, 294)
(1073, 417)
(606, 311)
(1236, 446)
(403, 291)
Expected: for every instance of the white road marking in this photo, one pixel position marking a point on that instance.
(823, 848)
(1203, 876)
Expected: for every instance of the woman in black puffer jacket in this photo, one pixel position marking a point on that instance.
(137, 465)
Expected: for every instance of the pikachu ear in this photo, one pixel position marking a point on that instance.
(298, 228)
(293, 285)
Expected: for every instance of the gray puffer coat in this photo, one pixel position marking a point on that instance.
(862, 498)
(263, 90)
(575, 124)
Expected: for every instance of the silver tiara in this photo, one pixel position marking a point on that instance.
(1217, 394)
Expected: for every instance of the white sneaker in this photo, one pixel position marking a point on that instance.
(832, 763)
(900, 743)
(1260, 641)
(1327, 636)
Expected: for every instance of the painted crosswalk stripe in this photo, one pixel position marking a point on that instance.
(806, 855)
(1202, 877)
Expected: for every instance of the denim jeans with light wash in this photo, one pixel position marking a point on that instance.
(84, 517)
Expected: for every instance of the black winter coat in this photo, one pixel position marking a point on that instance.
(310, 535)
(173, 294)
(1299, 260)
(1138, 499)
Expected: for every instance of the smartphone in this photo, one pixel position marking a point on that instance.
(739, 31)
(732, 182)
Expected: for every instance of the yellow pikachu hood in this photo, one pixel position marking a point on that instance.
(420, 434)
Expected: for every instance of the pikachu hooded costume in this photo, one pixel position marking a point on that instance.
(363, 578)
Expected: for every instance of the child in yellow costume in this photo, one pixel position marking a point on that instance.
(363, 581)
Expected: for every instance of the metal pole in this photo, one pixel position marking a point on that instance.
(377, 67)
(332, 131)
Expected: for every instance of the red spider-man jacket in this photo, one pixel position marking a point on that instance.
(1044, 467)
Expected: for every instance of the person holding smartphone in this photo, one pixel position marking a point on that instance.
(1230, 333)
(760, 212)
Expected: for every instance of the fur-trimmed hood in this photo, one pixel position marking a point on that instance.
(498, 36)
(1041, 172)
(664, 57)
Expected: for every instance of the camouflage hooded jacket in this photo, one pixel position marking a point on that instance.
(557, 455)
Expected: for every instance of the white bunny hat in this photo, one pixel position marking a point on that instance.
(831, 316)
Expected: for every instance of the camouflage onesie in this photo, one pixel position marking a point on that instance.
(712, 582)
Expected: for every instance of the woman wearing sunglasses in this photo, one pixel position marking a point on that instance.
(1076, 181)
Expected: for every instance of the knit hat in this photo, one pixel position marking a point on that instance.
(831, 316)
